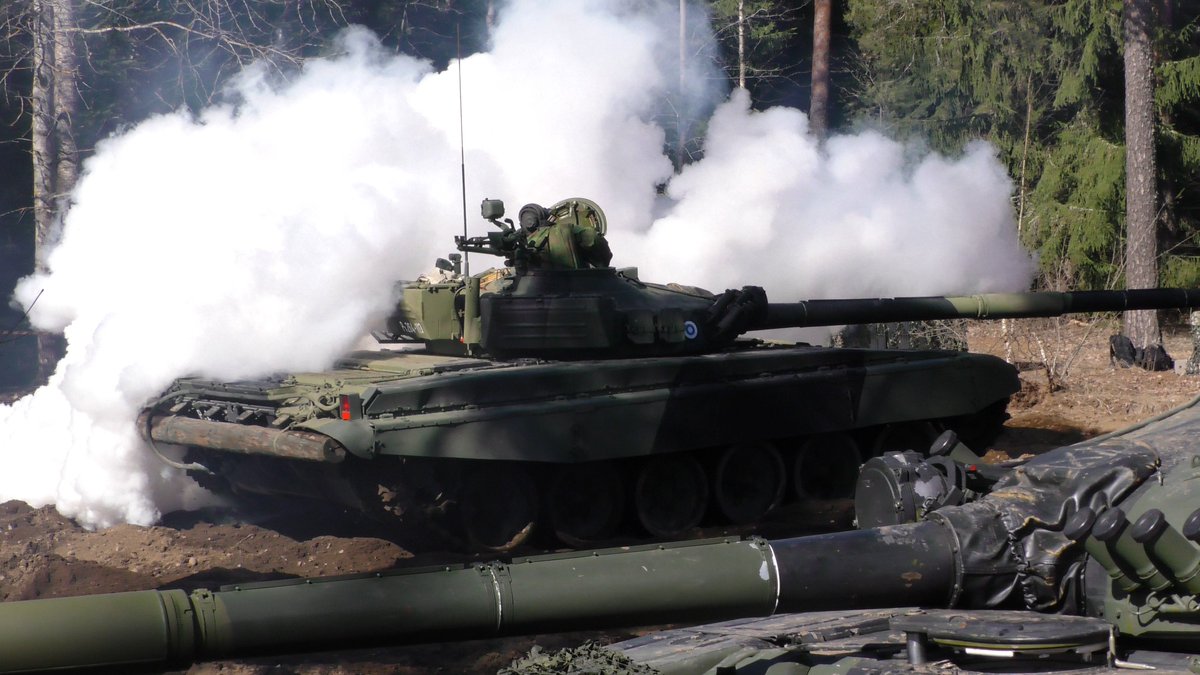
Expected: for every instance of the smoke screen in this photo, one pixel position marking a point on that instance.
(264, 234)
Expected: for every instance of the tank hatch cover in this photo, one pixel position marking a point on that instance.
(1006, 633)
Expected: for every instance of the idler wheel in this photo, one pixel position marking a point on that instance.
(826, 467)
(585, 502)
(670, 495)
(498, 506)
(748, 482)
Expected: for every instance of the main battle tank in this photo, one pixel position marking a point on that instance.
(538, 393)
(1086, 559)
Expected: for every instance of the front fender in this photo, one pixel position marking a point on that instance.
(357, 436)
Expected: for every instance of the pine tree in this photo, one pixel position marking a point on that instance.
(1076, 208)
(1141, 179)
(1044, 82)
(1177, 100)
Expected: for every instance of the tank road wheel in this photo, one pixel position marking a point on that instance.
(826, 467)
(585, 502)
(670, 495)
(498, 505)
(748, 481)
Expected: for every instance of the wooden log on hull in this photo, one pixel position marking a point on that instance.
(241, 438)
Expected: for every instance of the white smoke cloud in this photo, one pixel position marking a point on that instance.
(767, 206)
(263, 235)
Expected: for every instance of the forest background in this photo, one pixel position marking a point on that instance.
(1044, 82)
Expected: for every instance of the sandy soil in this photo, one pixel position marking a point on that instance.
(45, 555)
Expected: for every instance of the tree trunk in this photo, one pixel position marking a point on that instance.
(681, 128)
(54, 102)
(1141, 255)
(45, 172)
(741, 35)
(66, 104)
(818, 109)
(1021, 194)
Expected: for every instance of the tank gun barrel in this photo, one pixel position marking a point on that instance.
(982, 306)
(688, 582)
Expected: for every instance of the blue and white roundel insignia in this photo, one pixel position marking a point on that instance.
(690, 331)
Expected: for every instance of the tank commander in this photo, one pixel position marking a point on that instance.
(569, 235)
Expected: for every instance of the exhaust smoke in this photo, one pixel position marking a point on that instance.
(264, 234)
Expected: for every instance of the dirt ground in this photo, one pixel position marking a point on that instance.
(1070, 389)
(44, 555)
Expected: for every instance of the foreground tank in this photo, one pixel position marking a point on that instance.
(1087, 557)
(585, 399)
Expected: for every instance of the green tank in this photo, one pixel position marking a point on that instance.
(1084, 559)
(553, 393)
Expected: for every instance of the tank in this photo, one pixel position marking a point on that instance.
(589, 403)
(1086, 558)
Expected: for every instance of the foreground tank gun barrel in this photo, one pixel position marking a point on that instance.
(693, 582)
(1107, 529)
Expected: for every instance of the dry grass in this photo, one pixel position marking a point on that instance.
(1070, 389)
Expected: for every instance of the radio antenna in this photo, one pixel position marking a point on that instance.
(462, 152)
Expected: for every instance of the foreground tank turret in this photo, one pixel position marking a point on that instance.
(1085, 557)
(582, 400)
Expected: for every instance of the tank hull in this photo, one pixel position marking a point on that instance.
(596, 410)
(414, 415)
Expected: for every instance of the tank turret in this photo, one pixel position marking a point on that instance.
(1106, 531)
(563, 312)
(563, 395)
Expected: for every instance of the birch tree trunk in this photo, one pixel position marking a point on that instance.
(741, 42)
(54, 105)
(1141, 265)
(45, 171)
(66, 103)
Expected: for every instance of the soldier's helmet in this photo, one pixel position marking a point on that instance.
(533, 216)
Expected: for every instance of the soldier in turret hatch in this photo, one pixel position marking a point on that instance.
(569, 235)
